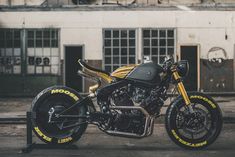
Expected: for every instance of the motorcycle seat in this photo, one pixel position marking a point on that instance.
(85, 65)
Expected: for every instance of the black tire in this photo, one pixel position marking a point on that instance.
(174, 118)
(48, 132)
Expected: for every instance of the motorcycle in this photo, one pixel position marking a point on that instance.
(127, 106)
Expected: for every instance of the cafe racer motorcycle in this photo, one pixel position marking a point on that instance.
(127, 106)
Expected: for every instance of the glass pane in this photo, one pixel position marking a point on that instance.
(46, 61)
(46, 43)
(17, 34)
(131, 60)
(2, 43)
(162, 33)
(132, 42)
(116, 51)
(123, 42)
(163, 51)
(30, 43)
(124, 60)
(146, 51)
(107, 42)
(9, 34)
(170, 51)
(16, 69)
(46, 34)
(54, 43)
(9, 43)
(46, 52)
(146, 42)
(2, 35)
(9, 52)
(116, 42)
(38, 34)
(31, 34)
(107, 33)
(170, 33)
(154, 51)
(154, 42)
(17, 52)
(47, 70)
(107, 60)
(124, 33)
(16, 43)
(162, 42)
(17, 60)
(132, 34)
(54, 60)
(146, 33)
(170, 42)
(131, 51)
(31, 60)
(107, 51)
(39, 43)
(115, 60)
(154, 33)
(38, 70)
(30, 69)
(124, 51)
(54, 34)
(38, 61)
(54, 69)
(116, 34)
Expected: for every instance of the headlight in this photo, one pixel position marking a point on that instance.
(183, 68)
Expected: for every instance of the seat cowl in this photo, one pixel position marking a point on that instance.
(85, 65)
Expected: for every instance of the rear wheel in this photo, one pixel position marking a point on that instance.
(54, 130)
(194, 130)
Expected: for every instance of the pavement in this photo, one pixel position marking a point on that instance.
(98, 144)
(14, 109)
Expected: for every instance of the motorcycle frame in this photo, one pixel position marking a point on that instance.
(149, 122)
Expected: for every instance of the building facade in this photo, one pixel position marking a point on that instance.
(39, 46)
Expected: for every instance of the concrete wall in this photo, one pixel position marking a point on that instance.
(208, 29)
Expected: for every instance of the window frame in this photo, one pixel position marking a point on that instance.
(112, 65)
(158, 40)
(35, 46)
(13, 39)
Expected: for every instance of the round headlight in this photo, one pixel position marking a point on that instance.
(183, 68)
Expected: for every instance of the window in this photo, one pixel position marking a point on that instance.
(119, 48)
(157, 43)
(10, 51)
(42, 51)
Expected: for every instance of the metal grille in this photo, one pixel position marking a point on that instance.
(119, 48)
(158, 43)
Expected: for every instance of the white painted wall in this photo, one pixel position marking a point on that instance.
(207, 28)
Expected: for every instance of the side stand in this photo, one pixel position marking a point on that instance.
(33, 145)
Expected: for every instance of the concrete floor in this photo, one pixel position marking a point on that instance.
(96, 143)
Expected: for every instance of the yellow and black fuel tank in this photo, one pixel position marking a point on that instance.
(123, 71)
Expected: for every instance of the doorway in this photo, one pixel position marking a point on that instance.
(190, 53)
(72, 79)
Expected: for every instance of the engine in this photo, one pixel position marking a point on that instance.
(150, 99)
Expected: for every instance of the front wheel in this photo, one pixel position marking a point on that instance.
(194, 130)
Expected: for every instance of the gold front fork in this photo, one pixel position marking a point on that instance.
(181, 88)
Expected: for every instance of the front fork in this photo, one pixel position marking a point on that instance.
(182, 90)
